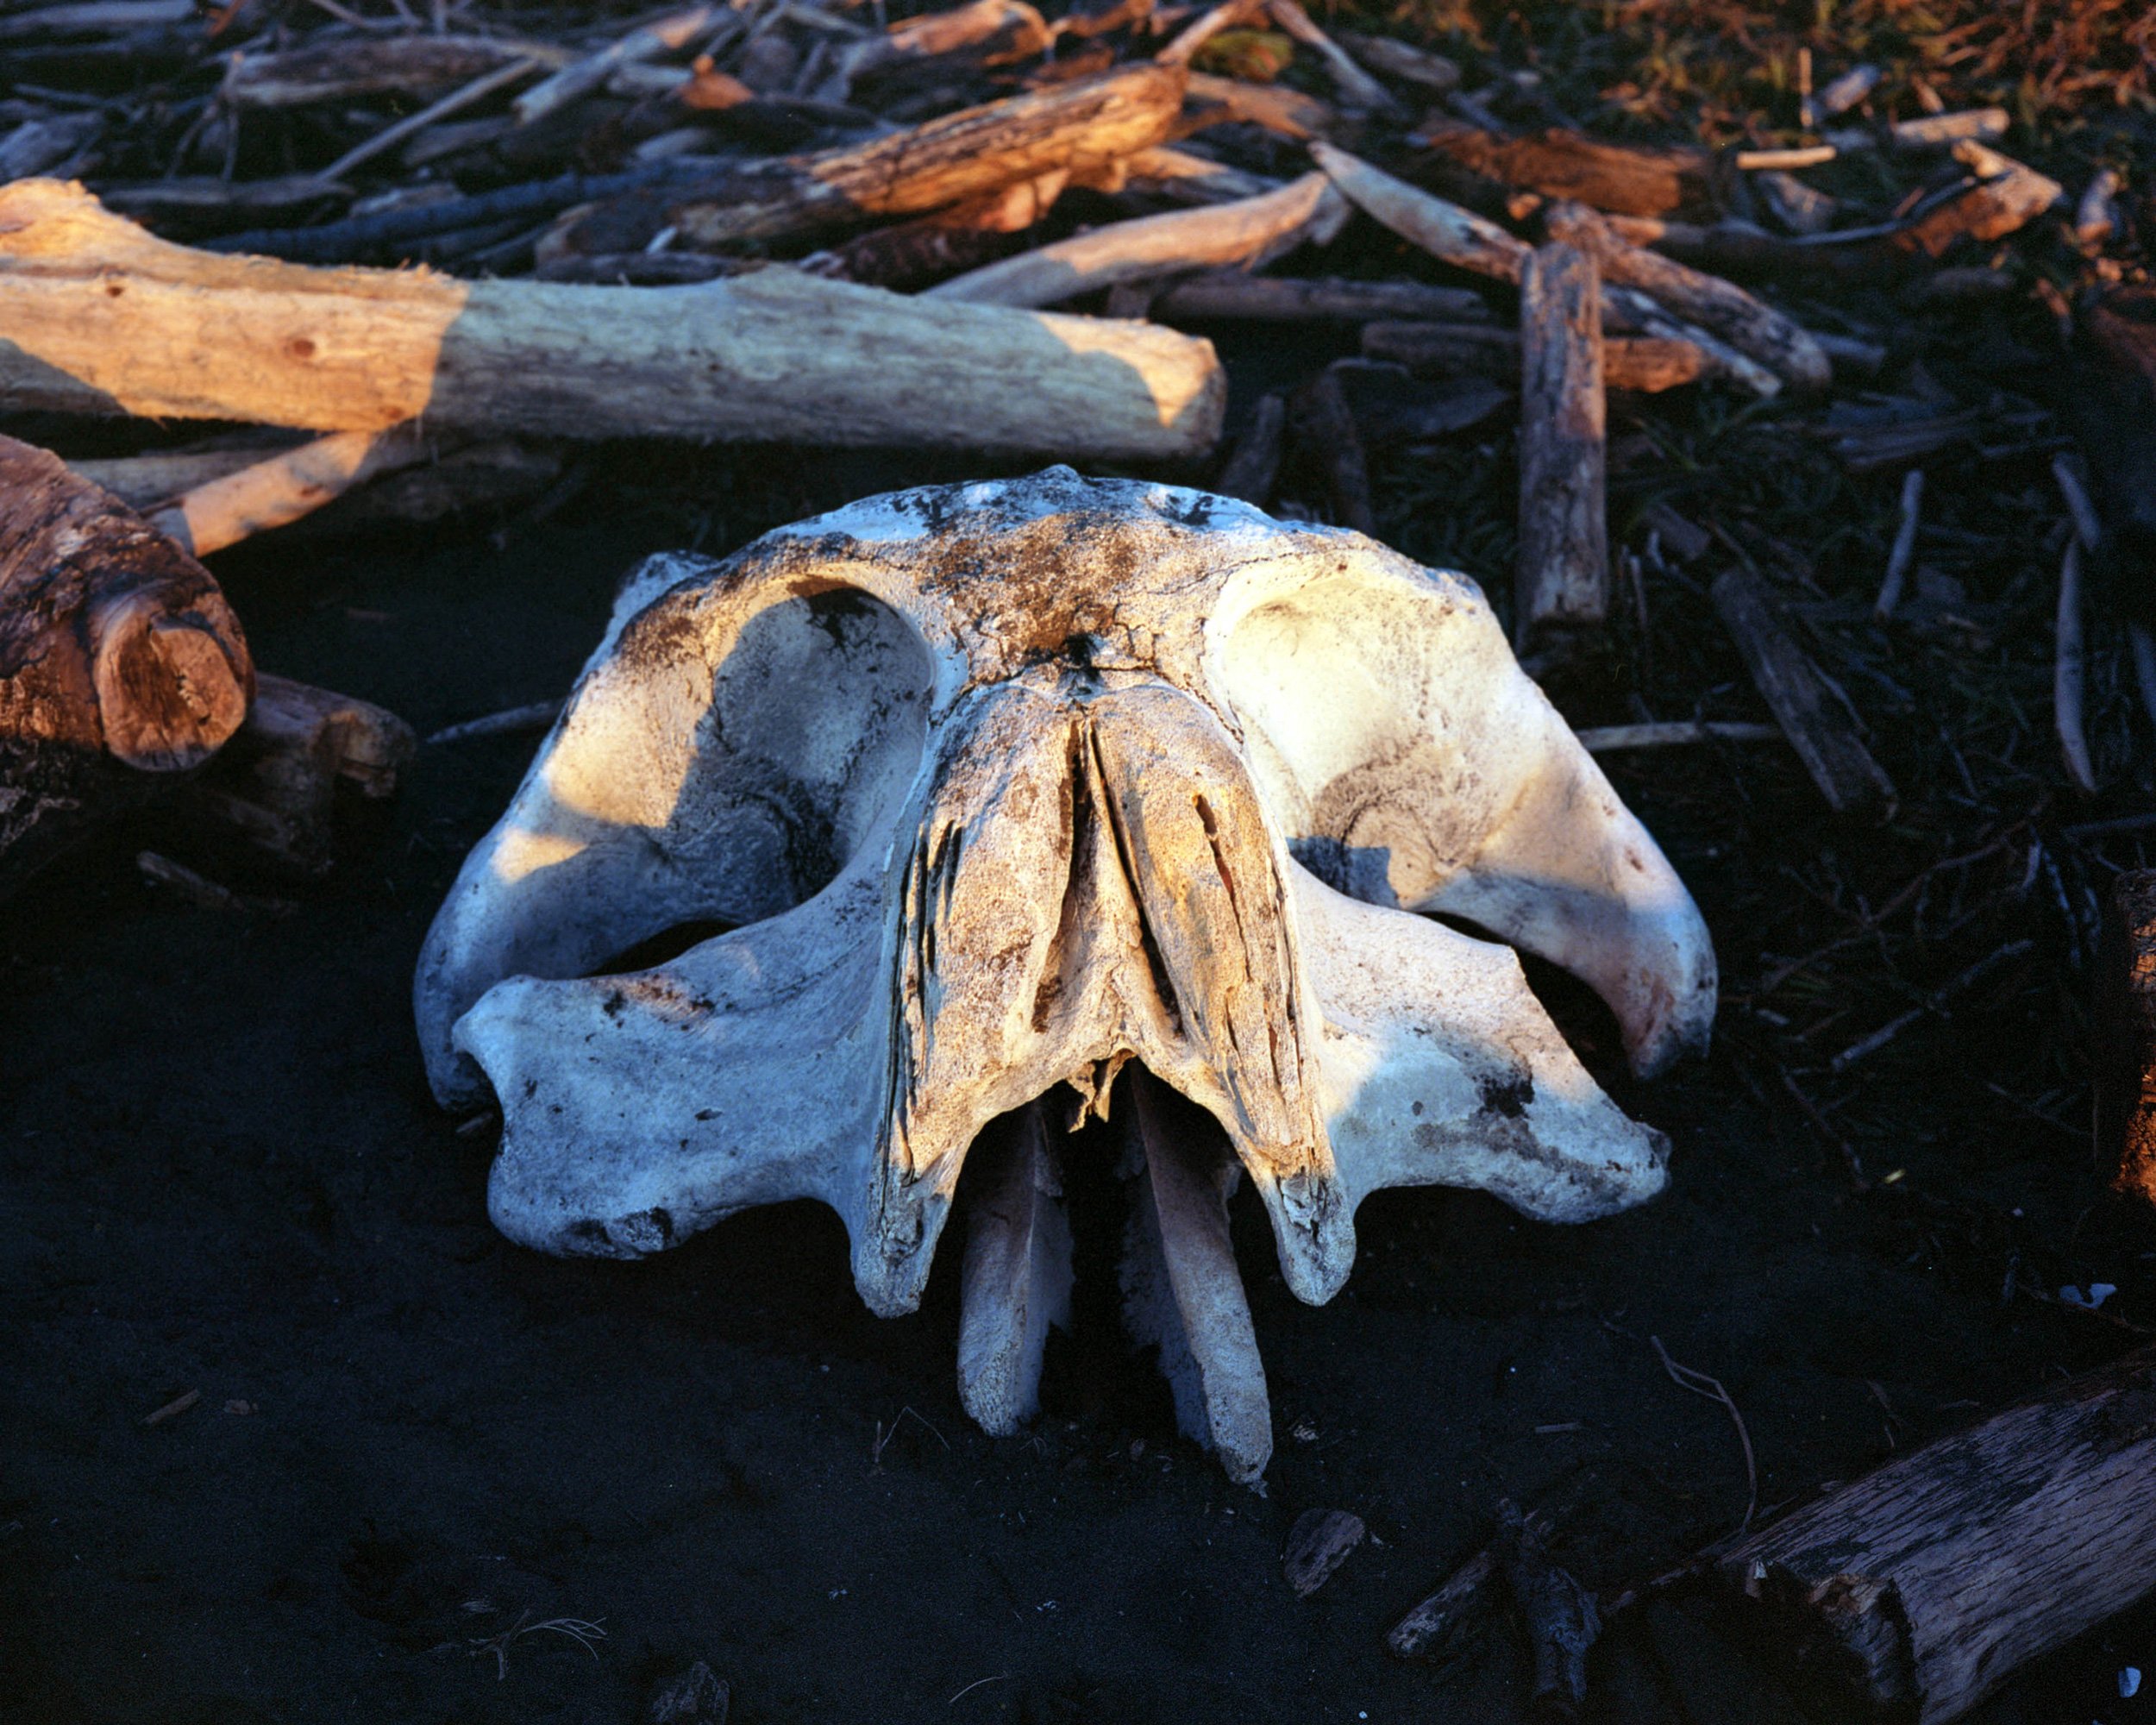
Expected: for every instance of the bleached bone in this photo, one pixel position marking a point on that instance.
(1003, 788)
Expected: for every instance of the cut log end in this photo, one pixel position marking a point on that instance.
(169, 689)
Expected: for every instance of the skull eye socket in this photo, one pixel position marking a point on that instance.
(815, 725)
(1359, 708)
(712, 771)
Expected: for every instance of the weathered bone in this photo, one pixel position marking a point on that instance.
(1005, 787)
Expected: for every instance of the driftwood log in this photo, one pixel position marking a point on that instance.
(1916, 1591)
(121, 664)
(1469, 241)
(1721, 307)
(276, 786)
(1070, 127)
(1818, 726)
(1249, 232)
(1623, 178)
(314, 487)
(102, 317)
(1563, 579)
(1646, 364)
(1231, 296)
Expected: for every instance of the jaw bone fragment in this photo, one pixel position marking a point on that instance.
(1002, 789)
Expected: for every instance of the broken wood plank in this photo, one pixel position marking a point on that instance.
(1318, 1544)
(1819, 728)
(1390, 57)
(648, 41)
(1435, 1628)
(1562, 580)
(1356, 87)
(101, 318)
(946, 243)
(1918, 1590)
(1558, 1613)
(1248, 232)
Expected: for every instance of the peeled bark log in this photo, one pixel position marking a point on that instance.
(101, 317)
(1073, 127)
(120, 665)
(1562, 581)
(1622, 178)
(1917, 1591)
(142, 482)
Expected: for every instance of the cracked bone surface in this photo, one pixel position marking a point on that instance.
(996, 791)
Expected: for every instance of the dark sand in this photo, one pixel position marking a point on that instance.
(223, 1174)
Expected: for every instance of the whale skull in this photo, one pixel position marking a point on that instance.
(999, 791)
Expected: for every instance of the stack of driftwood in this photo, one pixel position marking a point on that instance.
(421, 254)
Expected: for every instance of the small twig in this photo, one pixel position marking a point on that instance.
(578, 1630)
(1711, 1387)
(1904, 551)
(1968, 979)
(2142, 640)
(1824, 1127)
(875, 1455)
(172, 1410)
(2088, 524)
(1609, 739)
(976, 1684)
(535, 716)
(479, 88)
(2069, 672)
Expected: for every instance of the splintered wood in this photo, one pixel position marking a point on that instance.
(1913, 1592)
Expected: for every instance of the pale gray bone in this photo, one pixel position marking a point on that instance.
(1003, 781)
(1182, 1293)
(1016, 1279)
